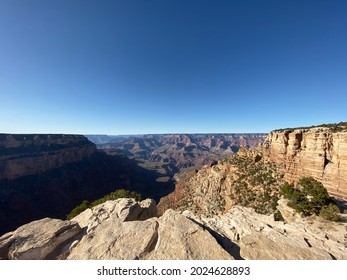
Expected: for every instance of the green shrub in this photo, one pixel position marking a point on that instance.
(330, 212)
(278, 216)
(309, 197)
(274, 202)
(315, 193)
(79, 209)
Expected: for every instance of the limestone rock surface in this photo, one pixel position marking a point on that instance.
(260, 237)
(120, 209)
(181, 239)
(37, 240)
(116, 230)
(113, 239)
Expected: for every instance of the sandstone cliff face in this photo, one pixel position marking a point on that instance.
(318, 152)
(22, 155)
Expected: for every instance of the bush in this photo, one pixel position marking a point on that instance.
(121, 193)
(330, 212)
(278, 216)
(115, 195)
(315, 192)
(78, 209)
(309, 197)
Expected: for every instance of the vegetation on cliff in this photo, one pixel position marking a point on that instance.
(121, 193)
(334, 127)
(310, 197)
(255, 184)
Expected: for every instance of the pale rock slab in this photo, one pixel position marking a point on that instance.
(37, 240)
(182, 239)
(114, 239)
(261, 237)
(123, 209)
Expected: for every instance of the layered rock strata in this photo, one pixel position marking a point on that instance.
(27, 154)
(317, 152)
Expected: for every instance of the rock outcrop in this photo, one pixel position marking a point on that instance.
(241, 179)
(27, 154)
(37, 240)
(123, 229)
(319, 152)
(128, 230)
(260, 237)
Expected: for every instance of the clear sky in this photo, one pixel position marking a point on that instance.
(155, 66)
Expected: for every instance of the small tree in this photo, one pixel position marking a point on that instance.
(330, 212)
(79, 209)
(310, 197)
(315, 192)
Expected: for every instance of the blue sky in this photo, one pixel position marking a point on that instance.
(133, 67)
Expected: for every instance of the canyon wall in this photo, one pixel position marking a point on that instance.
(27, 154)
(320, 152)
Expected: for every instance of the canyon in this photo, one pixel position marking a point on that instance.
(221, 198)
(252, 177)
(170, 154)
(49, 174)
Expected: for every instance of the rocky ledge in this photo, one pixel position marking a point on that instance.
(127, 230)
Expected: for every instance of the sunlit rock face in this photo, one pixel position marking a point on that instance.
(318, 152)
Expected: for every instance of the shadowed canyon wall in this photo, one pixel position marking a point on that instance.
(22, 155)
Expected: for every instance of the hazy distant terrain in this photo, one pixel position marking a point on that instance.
(169, 154)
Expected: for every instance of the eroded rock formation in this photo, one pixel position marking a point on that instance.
(121, 229)
(260, 237)
(127, 230)
(318, 152)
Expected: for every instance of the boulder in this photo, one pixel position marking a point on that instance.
(288, 213)
(37, 240)
(171, 236)
(114, 239)
(182, 239)
(123, 209)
